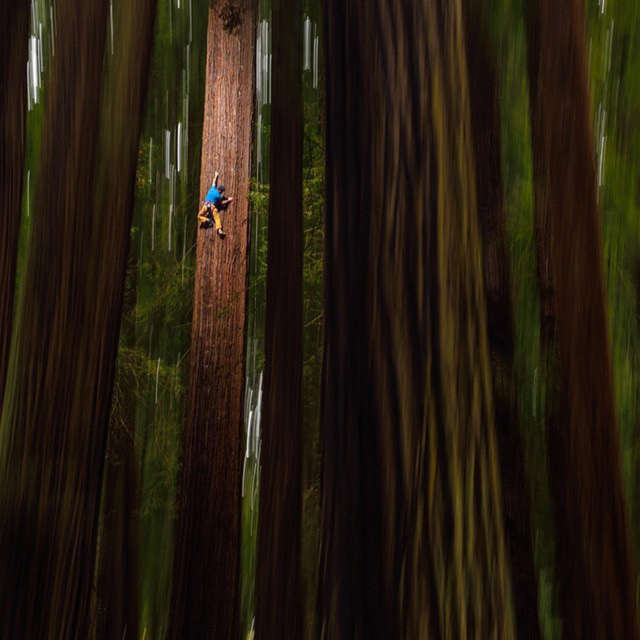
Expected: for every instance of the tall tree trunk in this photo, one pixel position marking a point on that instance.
(55, 416)
(118, 588)
(14, 22)
(593, 554)
(485, 124)
(412, 540)
(206, 562)
(278, 581)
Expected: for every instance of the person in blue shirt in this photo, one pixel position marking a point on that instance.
(214, 202)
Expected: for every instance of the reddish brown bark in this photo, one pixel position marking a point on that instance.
(278, 583)
(206, 562)
(57, 408)
(14, 20)
(485, 124)
(593, 555)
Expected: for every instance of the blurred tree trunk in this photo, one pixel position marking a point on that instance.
(485, 124)
(117, 588)
(278, 582)
(14, 30)
(55, 417)
(206, 562)
(412, 539)
(594, 559)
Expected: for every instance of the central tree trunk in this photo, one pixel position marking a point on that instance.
(206, 562)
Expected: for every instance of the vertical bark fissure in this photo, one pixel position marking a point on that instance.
(278, 581)
(593, 553)
(206, 561)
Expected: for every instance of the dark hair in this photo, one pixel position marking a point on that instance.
(221, 188)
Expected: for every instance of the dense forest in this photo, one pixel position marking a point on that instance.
(400, 398)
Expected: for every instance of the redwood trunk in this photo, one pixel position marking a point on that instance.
(412, 531)
(485, 122)
(206, 562)
(594, 560)
(14, 21)
(57, 406)
(278, 583)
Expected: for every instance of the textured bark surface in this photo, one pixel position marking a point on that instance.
(56, 410)
(594, 560)
(14, 21)
(412, 532)
(485, 124)
(278, 582)
(206, 563)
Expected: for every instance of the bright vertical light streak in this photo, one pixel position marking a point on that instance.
(316, 46)
(40, 53)
(111, 23)
(167, 152)
(307, 44)
(52, 29)
(29, 99)
(33, 59)
(179, 146)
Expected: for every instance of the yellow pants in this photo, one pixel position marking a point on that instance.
(202, 216)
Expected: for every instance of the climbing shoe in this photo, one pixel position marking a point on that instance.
(221, 233)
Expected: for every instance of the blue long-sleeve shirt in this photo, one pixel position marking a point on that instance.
(214, 197)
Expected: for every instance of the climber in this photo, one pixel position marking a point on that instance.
(214, 202)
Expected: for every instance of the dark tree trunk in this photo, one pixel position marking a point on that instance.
(14, 22)
(412, 533)
(117, 588)
(485, 124)
(278, 582)
(594, 560)
(57, 406)
(206, 562)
